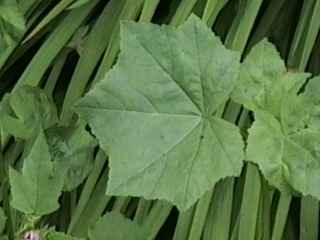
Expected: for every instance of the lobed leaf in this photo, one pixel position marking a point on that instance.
(25, 110)
(35, 191)
(264, 81)
(73, 147)
(284, 138)
(154, 113)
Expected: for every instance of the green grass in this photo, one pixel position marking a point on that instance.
(68, 51)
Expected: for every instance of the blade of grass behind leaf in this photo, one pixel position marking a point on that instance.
(309, 219)
(58, 9)
(219, 217)
(281, 216)
(142, 210)
(148, 10)
(97, 202)
(212, 10)
(88, 188)
(250, 204)
(305, 35)
(183, 11)
(14, 52)
(53, 45)
(56, 71)
(243, 23)
(265, 23)
(158, 214)
(93, 49)
(183, 224)
(129, 12)
(120, 204)
(200, 216)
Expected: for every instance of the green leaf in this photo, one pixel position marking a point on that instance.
(312, 98)
(29, 107)
(105, 227)
(264, 81)
(73, 147)
(12, 23)
(11, 14)
(36, 190)
(284, 139)
(154, 113)
(266, 148)
(287, 161)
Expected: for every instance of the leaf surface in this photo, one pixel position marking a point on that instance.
(154, 113)
(284, 138)
(12, 23)
(105, 227)
(73, 147)
(264, 80)
(35, 191)
(25, 110)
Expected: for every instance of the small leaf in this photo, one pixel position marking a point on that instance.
(73, 147)
(105, 227)
(12, 23)
(264, 81)
(36, 190)
(154, 113)
(284, 139)
(25, 110)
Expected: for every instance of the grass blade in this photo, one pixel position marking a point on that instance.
(148, 10)
(54, 44)
(250, 204)
(200, 216)
(58, 9)
(183, 225)
(306, 34)
(309, 219)
(281, 216)
(93, 49)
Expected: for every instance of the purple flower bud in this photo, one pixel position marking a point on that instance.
(31, 235)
